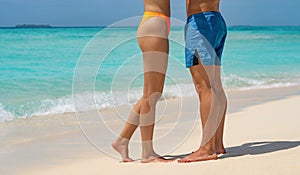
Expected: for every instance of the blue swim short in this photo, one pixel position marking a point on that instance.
(205, 35)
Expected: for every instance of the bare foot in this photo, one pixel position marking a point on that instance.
(201, 154)
(221, 151)
(220, 148)
(121, 146)
(153, 159)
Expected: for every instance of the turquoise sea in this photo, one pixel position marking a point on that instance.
(37, 66)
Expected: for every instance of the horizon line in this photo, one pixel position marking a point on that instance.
(94, 26)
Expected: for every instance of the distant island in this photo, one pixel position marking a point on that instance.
(33, 26)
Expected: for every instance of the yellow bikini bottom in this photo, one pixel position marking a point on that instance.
(150, 14)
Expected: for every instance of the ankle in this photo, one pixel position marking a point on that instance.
(122, 141)
(147, 150)
(219, 145)
(149, 155)
(209, 147)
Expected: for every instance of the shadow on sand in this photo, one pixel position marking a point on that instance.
(257, 148)
(253, 148)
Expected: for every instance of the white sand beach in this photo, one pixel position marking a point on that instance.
(262, 136)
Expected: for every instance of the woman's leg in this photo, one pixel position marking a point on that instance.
(154, 82)
(121, 143)
(153, 41)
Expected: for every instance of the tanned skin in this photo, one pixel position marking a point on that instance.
(154, 43)
(210, 150)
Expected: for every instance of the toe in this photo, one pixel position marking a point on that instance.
(127, 160)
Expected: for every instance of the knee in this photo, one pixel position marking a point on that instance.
(203, 89)
(219, 90)
(151, 98)
(219, 93)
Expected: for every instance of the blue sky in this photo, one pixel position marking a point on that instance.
(105, 12)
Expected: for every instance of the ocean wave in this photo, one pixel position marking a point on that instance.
(86, 101)
(262, 28)
(5, 115)
(249, 37)
(259, 81)
(101, 100)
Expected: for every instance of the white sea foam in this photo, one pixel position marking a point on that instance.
(235, 82)
(57, 106)
(100, 100)
(5, 115)
(87, 101)
(249, 37)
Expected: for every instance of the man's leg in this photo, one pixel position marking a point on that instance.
(212, 108)
(220, 132)
(204, 90)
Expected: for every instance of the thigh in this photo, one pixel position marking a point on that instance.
(200, 75)
(153, 82)
(155, 67)
(154, 43)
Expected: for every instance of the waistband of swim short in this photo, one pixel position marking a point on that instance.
(205, 14)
